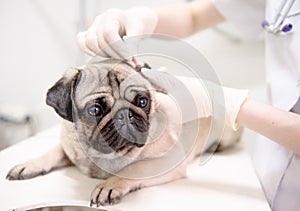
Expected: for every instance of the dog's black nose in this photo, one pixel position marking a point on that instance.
(124, 116)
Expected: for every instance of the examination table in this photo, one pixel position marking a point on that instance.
(227, 181)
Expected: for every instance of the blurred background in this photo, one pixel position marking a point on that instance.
(38, 42)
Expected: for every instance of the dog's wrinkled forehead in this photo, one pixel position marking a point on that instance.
(108, 79)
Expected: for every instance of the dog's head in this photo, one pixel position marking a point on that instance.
(109, 102)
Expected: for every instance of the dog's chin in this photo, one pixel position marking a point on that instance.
(103, 148)
(120, 151)
(124, 146)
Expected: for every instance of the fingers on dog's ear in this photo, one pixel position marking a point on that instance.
(59, 95)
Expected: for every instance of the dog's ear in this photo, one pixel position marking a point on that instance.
(59, 96)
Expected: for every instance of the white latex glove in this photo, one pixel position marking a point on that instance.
(233, 98)
(105, 37)
(205, 94)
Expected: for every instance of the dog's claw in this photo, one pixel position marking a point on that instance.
(91, 203)
(94, 204)
(109, 193)
(25, 171)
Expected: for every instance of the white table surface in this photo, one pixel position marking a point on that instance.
(226, 182)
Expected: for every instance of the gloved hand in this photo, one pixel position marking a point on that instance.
(105, 37)
(207, 97)
(206, 92)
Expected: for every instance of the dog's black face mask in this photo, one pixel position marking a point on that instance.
(109, 103)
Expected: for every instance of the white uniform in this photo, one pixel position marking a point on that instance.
(277, 167)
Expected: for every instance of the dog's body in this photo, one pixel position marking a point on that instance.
(111, 131)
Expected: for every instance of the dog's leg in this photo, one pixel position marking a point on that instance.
(53, 159)
(115, 188)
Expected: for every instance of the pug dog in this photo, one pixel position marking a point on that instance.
(121, 125)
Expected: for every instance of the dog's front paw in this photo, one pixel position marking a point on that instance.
(111, 191)
(25, 171)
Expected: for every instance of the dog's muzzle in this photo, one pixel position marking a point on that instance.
(126, 128)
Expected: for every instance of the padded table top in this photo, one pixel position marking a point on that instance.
(226, 182)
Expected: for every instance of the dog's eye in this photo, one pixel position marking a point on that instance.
(142, 101)
(95, 110)
(97, 107)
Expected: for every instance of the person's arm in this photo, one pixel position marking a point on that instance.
(280, 126)
(184, 19)
(105, 36)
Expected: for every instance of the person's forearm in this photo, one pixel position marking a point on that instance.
(281, 126)
(182, 20)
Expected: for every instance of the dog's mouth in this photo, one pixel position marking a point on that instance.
(122, 133)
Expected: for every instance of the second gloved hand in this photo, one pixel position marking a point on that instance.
(209, 98)
(105, 37)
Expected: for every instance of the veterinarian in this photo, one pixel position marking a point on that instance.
(278, 161)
